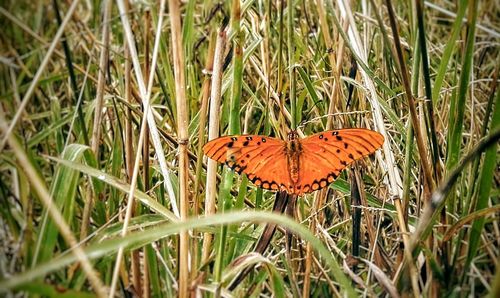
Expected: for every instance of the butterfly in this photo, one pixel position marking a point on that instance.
(297, 166)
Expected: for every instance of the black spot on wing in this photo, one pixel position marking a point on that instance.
(271, 185)
(256, 181)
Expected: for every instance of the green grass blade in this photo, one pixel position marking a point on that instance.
(141, 238)
(63, 190)
(487, 171)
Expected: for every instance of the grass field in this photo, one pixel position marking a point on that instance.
(105, 107)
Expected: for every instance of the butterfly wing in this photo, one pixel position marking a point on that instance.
(324, 155)
(262, 158)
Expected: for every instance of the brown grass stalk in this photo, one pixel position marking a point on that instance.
(213, 132)
(183, 138)
(205, 96)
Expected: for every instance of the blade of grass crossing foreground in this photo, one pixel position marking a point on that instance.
(136, 239)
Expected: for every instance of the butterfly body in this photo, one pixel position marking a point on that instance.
(293, 152)
(296, 165)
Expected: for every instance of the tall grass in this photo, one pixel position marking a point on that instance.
(105, 107)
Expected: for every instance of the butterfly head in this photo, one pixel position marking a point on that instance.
(293, 143)
(293, 135)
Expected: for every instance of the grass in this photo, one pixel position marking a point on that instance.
(105, 107)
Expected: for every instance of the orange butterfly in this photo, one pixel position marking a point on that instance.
(296, 166)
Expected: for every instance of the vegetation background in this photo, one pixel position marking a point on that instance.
(105, 105)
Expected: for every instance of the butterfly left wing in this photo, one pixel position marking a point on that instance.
(262, 158)
(326, 154)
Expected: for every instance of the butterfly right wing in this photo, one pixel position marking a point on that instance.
(262, 158)
(326, 154)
